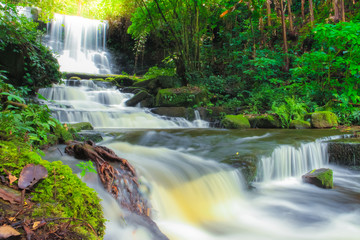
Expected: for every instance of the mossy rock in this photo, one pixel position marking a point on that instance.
(181, 97)
(60, 195)
(141, 97)
(300, 124)
(74, 78)
(322, 177)
(264, 121)
(235, 122)
(324, 119)
(174, 112)
(123, 81)
(89, 135)
(344, 152)
(81, 126)
(247, 165)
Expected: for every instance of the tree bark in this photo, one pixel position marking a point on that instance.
(342, 10)
(303, 10)
(311, 13)
(285, 47)
(336, 11)
(268, 8)
(290, 17)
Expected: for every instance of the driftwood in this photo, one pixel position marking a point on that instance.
(121, 182)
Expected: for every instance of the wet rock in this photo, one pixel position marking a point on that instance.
(174, 112)
(235, 122)
(89, 136)
(323, 119)
(140, 97)
(247, 165)
(322, 177)
(264, 121)
(345, 152)
(300, 124)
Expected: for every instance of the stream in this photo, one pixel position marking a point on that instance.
(195, 196)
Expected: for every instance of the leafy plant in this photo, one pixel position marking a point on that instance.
(86, 167)
(290, 109)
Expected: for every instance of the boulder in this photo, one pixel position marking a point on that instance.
(247, 164)
(181, 97)
(322, 177)
(323, 119)
(123, 81)
(174, 112)
(81, 126)
(300, 124)
(264, 121)
(89, 135)
(139, 97)
(235, 122)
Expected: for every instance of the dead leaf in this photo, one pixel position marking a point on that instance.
(12, 178)
(31, 174)
(7, 231)
(12, 219)
(10, 197)
(38, 224)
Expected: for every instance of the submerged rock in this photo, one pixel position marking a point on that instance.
(235, 122)
(323, 119)
(322, 177)
(247, 164)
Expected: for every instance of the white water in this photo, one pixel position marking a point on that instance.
(80, 44)
(104, 107)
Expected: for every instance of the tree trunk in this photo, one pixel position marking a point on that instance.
(286, 66)
(336, 11)
(303, 10)
(311, 13)
(290, 17)
(268, 8)
(342, 10)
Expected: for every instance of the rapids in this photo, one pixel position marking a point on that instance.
(195, 196)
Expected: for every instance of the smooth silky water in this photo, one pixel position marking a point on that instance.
(193, 194)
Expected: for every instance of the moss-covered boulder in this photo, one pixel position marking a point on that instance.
(121, 81)
(264, 121)
(323, 119)
(181, 97)
(235, 122)
(139, 97)
(74, 78)
(322, 177)
(61, 195)
(81, 126)
(300, 124)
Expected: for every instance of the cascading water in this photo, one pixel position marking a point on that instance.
(104, 107)
(80, 44)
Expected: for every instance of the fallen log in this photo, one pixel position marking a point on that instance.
(122, 181)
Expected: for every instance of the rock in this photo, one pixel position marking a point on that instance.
(81, 126)
(264, 121)
(324, 119)
(181, 97)
(75, 78)
(345, 152)
(123, 81)
(139, 97)
(89, 135)
(213, 115)
(174, 112)
(246, 163)
(235, 122)
(300, 124)
(322, 177)
(151, 85)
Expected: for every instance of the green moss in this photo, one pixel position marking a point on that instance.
(326, 178)
(81, 126)
(61, 194)
(299, 124)
(323, 119)
(74, 78)
(181, 97)
(264, 121)
(235, 122)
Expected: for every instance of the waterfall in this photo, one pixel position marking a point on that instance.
(104, 106)
(80, 44)
(289, 161)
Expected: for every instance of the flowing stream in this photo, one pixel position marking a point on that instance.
(194, 195)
